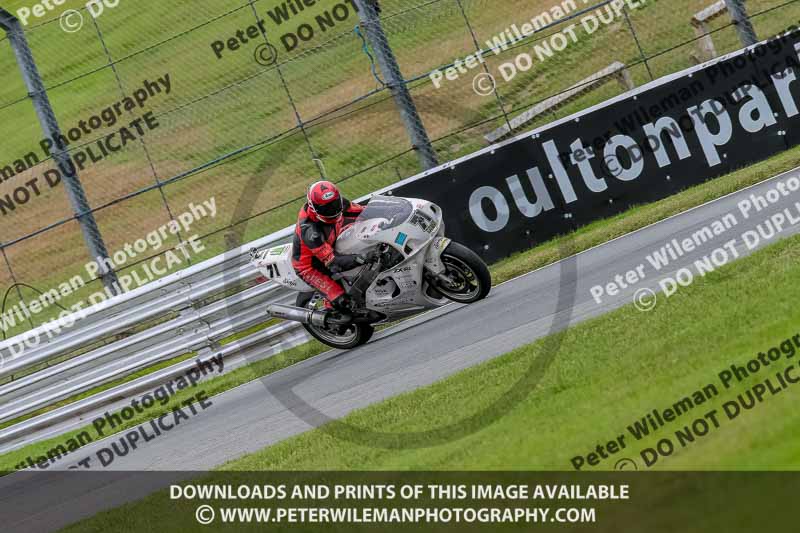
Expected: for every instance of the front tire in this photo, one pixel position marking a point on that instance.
(343, 338)
(470, 280)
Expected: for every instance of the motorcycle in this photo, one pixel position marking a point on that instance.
(411, 267)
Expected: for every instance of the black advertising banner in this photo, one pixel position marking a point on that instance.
(645, 145)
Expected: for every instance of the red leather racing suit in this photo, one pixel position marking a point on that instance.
(313, 248)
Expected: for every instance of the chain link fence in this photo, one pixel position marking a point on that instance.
(280, 93)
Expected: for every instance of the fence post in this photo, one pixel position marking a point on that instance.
(738, 11)
(368, 13)
(51, 129)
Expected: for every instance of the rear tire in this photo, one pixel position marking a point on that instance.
(354, 335)
(472, 280)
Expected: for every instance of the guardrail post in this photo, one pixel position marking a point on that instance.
(738, 11)
(368, 13)
(51, 129)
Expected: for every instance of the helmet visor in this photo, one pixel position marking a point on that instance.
(330, 210)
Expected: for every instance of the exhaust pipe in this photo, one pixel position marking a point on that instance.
(298, 314)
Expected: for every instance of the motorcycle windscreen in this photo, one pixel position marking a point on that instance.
(382, 213)
(386, 211)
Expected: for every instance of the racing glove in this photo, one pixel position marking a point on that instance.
(372, 256)
(343, 263)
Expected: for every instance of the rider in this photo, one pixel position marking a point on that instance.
(320, 221)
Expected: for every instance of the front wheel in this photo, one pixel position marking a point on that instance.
(341, 337)
(466, 276)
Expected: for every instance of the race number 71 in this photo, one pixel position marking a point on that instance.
(272, 271)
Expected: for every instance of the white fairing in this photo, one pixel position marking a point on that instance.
(413, 228)
(275, 264)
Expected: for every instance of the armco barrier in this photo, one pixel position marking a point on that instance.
(500, 200)
(203, 318)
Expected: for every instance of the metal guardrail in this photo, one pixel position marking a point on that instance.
(188, 311)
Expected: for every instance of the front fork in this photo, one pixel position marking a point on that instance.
(433, 257)
(435, 269)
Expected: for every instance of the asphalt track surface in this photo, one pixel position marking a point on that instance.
(413, 354)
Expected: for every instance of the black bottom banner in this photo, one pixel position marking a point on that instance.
(400, 501)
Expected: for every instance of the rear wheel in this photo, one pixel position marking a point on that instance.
(342, 337)
(467, 276)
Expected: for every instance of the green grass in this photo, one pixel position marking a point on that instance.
(582, 239)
